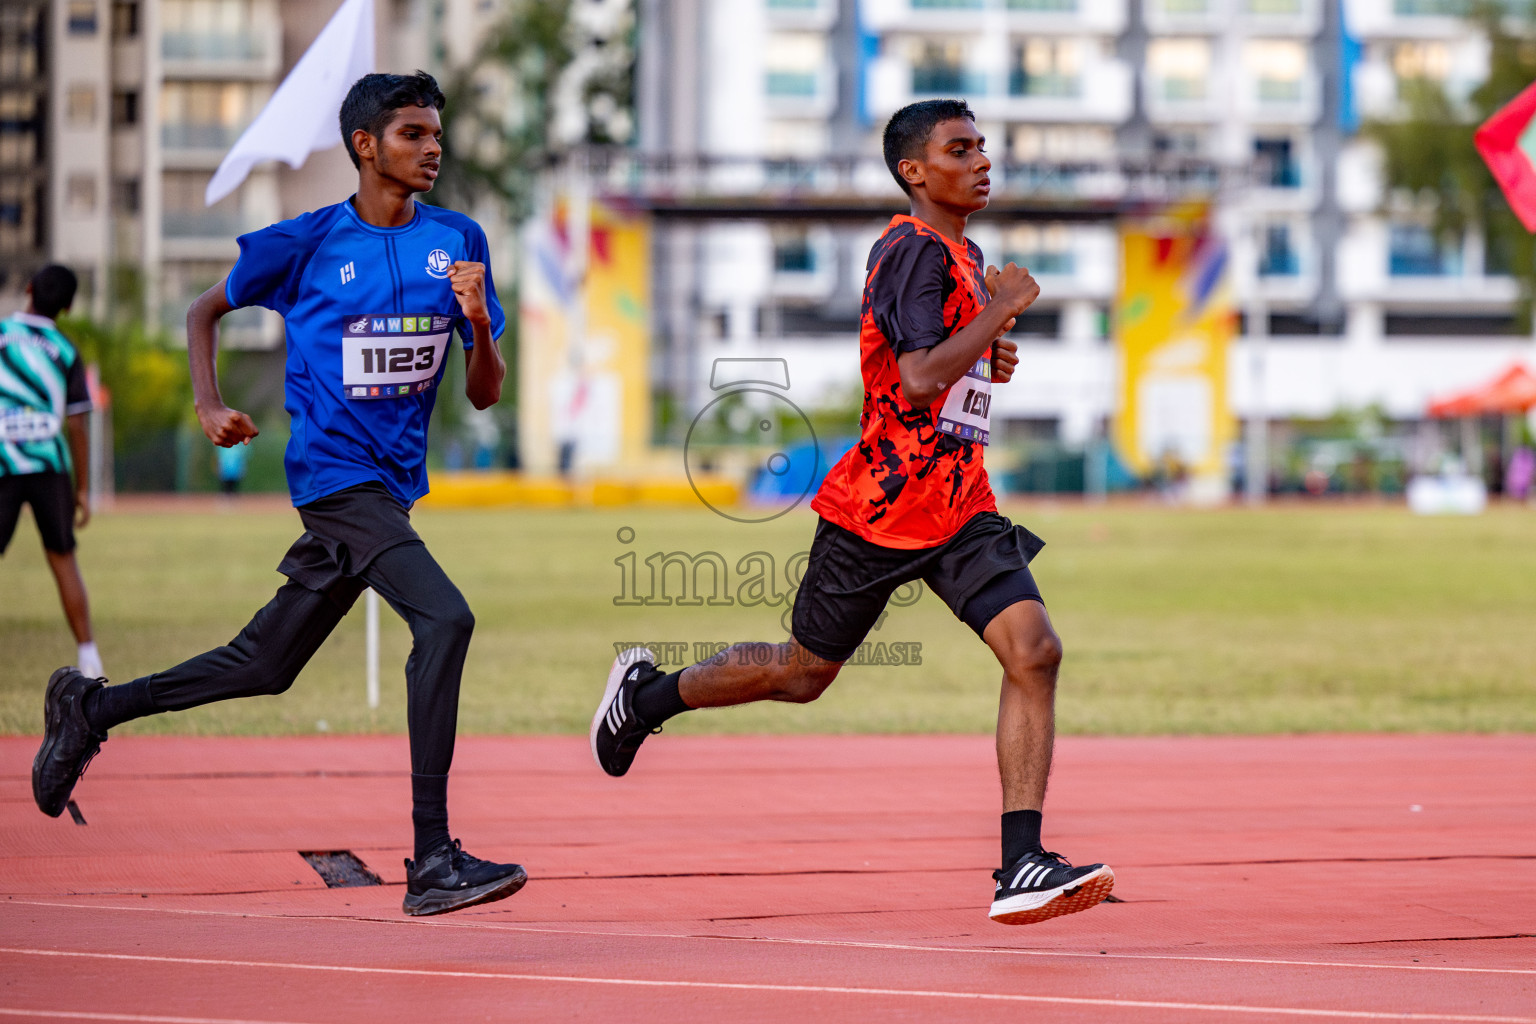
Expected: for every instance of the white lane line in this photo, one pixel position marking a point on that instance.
(496, 926)
(136, 1017)
(908, 993)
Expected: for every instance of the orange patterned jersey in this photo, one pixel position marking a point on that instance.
(916, 475)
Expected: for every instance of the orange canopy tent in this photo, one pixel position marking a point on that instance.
(1513, 390)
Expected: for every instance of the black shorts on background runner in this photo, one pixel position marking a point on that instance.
(978, 572)
(52, 497)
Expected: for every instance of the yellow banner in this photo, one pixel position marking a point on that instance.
(585, 403)
(1173, 325)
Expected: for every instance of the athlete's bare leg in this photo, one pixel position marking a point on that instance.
(1030, 653)
(735, 676)
(66, 573)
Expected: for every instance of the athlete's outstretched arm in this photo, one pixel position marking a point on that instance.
(485, 369)
(927, 372)
(224, 426)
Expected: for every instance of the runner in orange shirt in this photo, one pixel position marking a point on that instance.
(912, 501)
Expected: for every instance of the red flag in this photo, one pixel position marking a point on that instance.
(1507, 141)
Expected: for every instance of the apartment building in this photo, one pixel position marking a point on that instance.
(143, 98)
(1347, 301)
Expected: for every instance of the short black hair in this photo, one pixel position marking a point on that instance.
(907, 132)
(53, 290)
(373, 99)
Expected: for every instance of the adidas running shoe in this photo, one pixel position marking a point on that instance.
(616, 731)
(1044, 885)
(449, 879)
(69, 742)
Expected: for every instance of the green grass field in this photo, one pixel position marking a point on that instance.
(1175, 621)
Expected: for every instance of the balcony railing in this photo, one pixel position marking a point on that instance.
(1182, 90)
(1021, 83)
(215, 223)
(204, 46)
(183, 135)
(794, 84)
(1043, 262)
(945, 79)
(1279, 263)
(1279, 90)
(1274, 8)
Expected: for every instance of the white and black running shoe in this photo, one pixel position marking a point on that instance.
(616, 730)
(1044, 885)
(449, 879)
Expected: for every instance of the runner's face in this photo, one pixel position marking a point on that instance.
(955, 166)
(411, 149)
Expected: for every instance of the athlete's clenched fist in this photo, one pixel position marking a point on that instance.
(1012, 286)
(468, 280)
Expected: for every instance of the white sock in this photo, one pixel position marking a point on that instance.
(90, 661)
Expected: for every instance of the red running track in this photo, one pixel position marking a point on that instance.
(780, 879)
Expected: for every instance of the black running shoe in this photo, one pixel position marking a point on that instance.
(69, 742)
(1044, 885)
(450, 879)
(616, 731)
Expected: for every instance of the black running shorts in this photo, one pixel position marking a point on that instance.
(52, 497)
(978, 572)
(343, 533)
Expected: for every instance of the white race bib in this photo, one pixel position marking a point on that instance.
(392, 356)
(967, 412)
(17, 425)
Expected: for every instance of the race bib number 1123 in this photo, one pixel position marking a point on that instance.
(392, 356)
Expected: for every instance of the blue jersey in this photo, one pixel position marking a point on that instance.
(369, 314)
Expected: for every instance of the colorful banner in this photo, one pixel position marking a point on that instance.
(585, 403)
(1173, 325)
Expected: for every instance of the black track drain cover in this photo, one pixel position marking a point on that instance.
(341, 869)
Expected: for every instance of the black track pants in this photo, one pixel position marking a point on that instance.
(271, 650)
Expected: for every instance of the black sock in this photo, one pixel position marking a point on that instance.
(1021, 835)
(429, 812)
(659, 699)
(113, 705)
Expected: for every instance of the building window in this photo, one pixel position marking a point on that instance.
(209, 30)
(796, 64)
(125, 108)
(794, 254)
(80, 194)
(1060, 144)
(1278, 256)
(1421, 59)
(1181, 68)
(1278, 67)
(125, 19)
(125, 196)
(1275, 164)
(1046, 67)
(1040, 249)
(939, 66)
(80, 17)
(1413, 250)
(80, 106)
(1274, 8)
(203, 115)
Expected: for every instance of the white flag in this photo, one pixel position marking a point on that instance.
(302, 116)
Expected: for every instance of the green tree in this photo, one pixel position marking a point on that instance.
(1429, 156)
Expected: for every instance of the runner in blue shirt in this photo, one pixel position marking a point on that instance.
(372, 291)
